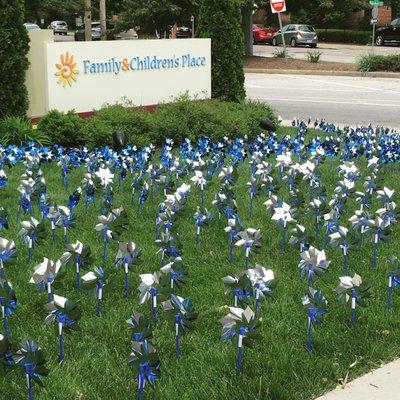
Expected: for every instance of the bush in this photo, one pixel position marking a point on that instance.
(61, 128)
(343, 36)
(14, 46)
(18, 131)
(372, 62)
(313, 56)
(220, 21)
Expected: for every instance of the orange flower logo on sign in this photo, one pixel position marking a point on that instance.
(66, 70)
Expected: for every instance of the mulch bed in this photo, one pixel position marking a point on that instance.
(293, 63)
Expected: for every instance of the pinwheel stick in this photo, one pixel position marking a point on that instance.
(53, 230)
(141, 380)
(239, 362)
(283, 241)
(61, 340)
(317, 219)
(257, 301)
(177, 337)
(153, 293)
(353, 307)
(49, 291)
(126, 289)
(104, 243)
(247, 257)
(309, 335)
(30, 247)
(345, 261)
(99, 298)
(78, 271)
(5, 323)
(198, 228)
(390, 293)
(375, 250)
(30, 388)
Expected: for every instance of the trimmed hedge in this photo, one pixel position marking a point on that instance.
(343, 36)
(372, 62)
(181, 119)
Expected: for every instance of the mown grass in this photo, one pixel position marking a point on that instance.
(277, 368)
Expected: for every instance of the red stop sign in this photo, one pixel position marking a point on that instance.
(278, 6)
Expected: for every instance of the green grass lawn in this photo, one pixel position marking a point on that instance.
(277, 368)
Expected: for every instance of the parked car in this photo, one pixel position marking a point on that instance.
(296, 34)
(80, 32)
(59, 27)
(389, 33)
(129, 34)
(30, 26)
(183, 32)
(261, 34)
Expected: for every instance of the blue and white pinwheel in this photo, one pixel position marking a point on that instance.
(32, 232)
(233, 229)
(7, 252)
(66, 220)
(315, 304)
(31, 358)
(148, 290)
(262, 281)
(127, 256)
(394, 279)
(182, 314)
(201, 217)
(250, 240)
(65, 313)
(240, 326)
(94, 282)
(353, 288)
(313, 263)
(44, 276)
(8, 303)
(146, 364)
(140, 327)
(240, 286)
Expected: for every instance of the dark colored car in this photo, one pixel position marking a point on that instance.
(389, 33)
(183, 32)
(261, 34)
(295, 35)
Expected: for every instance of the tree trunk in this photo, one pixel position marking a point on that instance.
(88, 20)
(247, 24)
(103, 25)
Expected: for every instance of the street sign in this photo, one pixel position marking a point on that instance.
(278, 6)
(192, 18)
(376, 3)
(375, 12)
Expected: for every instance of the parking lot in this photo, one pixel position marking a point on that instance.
(344, 53)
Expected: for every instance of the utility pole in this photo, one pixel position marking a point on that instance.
(247, 25)
(103, 25)
(88, 20)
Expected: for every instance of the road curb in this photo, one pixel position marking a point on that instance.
(318, 72)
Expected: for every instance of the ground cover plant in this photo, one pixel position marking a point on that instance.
(302, 346)
(372, 62)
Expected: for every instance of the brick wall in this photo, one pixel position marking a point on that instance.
(385, 15)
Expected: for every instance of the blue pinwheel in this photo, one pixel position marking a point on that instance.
(313, 263)
(250, 240)
(146, 363)
(8, 303)
(201, 217)
(140, 327)
(6, 355)
(94, 282)
(380, 230)
(31, 358)
(127, 256)
(3, 179)
(241, 327)
(65, 313)
(315, 304)
(78, 256)
(148, 290)
(3, 218)
(7, 252)
(234, 227)
(173, 275)
(240, 286)
(32, 232)
(355, 289)
(66, 220)
(74, 198)
(262, 281)
(182, 314)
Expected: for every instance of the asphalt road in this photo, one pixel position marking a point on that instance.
(64, 38)
(343, 100)
(344, 53)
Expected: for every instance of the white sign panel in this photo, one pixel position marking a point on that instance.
(86, 75)
(278, 6)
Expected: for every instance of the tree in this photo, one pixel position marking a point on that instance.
(14, 47)
(154, 14)
(221, 21)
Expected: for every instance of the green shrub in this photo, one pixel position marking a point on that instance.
(14, 46)
(313, 56)
(96, 132)
(62, 128)
(18, 131)
(221, 21)
(372, 62)
(343, 36)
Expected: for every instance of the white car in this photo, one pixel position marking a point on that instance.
(59, 27)
(129, 34)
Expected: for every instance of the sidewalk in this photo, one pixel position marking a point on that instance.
(381, 384)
